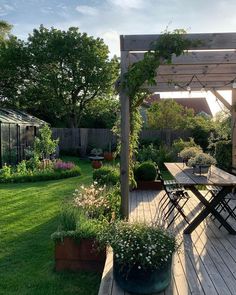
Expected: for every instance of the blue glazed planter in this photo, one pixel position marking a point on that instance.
(143, 282)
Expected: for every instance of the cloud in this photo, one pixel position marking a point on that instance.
(5, 9)
(87, 10)
(128, 4)
(112, 39)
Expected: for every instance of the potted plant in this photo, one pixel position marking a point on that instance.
(145, 175)
(189, 152)
(201, 163)
(142, 256)
(108, 155)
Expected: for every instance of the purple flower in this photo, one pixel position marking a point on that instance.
(60, 165)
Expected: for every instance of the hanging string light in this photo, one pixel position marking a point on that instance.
(187, 86)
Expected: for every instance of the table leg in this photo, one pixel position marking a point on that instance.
(210, 208)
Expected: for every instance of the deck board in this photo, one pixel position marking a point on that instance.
(205, 263)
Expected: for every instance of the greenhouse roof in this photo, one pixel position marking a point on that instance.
(18, 117)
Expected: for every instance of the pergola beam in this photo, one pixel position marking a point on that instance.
(194, 58)
(221, 99)
(208, 41)
(195, 86)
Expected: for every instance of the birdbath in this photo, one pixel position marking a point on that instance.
(96, 161)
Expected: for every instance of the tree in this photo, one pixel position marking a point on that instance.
(201, 129)
(100, 113)
(5, 29)
(14, 72)
(168, 114)
(44, 145)
(58, 73)
(222, 124)
(69, 69)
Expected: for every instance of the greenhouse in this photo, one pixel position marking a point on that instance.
(17, 132)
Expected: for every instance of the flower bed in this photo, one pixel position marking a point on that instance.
(24, 173)
(82, 218)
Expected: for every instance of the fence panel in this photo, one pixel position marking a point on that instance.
(82, 138)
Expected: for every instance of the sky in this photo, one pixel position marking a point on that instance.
(110, 18)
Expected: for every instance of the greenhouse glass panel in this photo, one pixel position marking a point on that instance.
(18, 131)
(5, 143)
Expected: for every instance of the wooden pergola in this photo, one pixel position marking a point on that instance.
(211, 66)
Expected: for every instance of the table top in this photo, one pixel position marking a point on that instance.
(184, 175)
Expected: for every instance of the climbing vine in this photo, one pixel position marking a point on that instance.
(143, 73)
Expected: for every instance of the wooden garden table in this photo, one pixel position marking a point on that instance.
(216, 177)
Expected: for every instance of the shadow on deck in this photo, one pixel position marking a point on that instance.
(205, 262)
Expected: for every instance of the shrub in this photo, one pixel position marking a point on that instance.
(148, 153)
(179, 144)
(190, 152)
(108, 175)
(223, 154)
(202, 159)
(21, 168)
(5, 172)
(165, 154)
(145, 171)
(40, 175)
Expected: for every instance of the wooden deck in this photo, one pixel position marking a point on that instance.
(205, 262)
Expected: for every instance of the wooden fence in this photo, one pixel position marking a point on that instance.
(85, 138)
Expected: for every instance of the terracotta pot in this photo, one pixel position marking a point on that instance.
(79, 255)
(108, 156)
(149, 185)
(96, 164)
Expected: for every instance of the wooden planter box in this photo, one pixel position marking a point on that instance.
(82, 255)
(149, 185)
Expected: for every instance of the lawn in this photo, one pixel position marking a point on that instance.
(28, 216)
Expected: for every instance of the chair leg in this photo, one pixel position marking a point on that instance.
(230, 213)
(175, 204)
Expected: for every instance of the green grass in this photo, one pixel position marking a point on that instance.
(28, 216)
(166, 175)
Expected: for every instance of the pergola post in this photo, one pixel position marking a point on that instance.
(234, 128)
(125, 131)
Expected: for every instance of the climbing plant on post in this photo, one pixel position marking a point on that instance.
(133, 86)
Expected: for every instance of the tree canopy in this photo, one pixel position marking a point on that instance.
(56, 73)
(5, 29)
(101, 113)
(168, 114)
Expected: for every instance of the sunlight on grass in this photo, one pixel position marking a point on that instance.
(29, 214)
